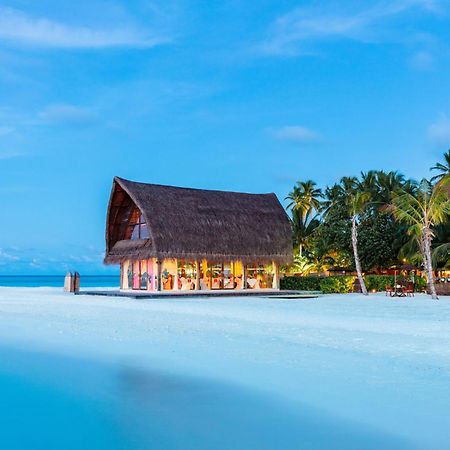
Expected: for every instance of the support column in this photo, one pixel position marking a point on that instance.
(158, 275)
(124, 275)
(150, 276)
(175, 280)
(276, 276)
(197, 276)
(244, 276)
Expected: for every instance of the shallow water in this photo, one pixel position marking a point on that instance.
(50, 402)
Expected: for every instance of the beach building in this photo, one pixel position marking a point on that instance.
(171, 238)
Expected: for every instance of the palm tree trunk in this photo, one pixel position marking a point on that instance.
(300, 250)
(428, 264)
(355, 254)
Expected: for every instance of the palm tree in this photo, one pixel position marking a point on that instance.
(387, 183)
(358, 202)
(304, 197)
(303, 227)
(444, 169)
(422, 212)
(305, 200)
(351, 195)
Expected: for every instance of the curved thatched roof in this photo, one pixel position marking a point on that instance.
(193, 224)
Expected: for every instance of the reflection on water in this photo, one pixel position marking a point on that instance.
(55, 403)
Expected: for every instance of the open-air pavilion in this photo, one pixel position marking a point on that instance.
(169, 238)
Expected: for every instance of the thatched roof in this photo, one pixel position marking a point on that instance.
(193, 224)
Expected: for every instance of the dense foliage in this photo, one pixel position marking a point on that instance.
(301, 283)
(372, 204)
(344, 284)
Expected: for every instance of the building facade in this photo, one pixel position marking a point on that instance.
(169, 238)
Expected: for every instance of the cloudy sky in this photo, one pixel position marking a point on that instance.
(230, 94)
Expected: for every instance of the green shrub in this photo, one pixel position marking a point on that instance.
(378, 282)
(343, 284)
(421, 284)
(300, 283)
(337, 285)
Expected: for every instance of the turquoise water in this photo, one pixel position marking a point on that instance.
(59, 403)
(58, 280)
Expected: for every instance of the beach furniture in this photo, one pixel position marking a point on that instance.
(409, 290)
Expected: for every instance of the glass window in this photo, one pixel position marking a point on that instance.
(216, 276)
(186, 275)
(259, 276)
(228, 276)
(137, 227)
(223, 276)
(144, 231)
(168, 271)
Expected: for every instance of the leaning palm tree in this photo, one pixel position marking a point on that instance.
(355, 200)
(444, 169)
(358, 202)
(427, 209)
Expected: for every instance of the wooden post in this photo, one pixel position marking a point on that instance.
(175, 281)
(276, 276)
(158, 275)
(244, 276)
(197, 276)
(149, 274)
(209, 269)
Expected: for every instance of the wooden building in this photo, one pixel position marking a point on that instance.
(172, 238)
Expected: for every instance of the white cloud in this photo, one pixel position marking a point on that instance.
(64, 113)
(422, 61)
(439, 132)
(5, 130)
(18, 27)
(295, 133)
(9, 154)
(309, 24)
(5, 256)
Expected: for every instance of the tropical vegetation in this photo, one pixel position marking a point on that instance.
(371, 223)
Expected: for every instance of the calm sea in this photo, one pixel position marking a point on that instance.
(58, 280)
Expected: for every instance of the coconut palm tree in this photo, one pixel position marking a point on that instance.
(305, 203)
(444, 169)
(305, 197)
(358, 202)
(427, 209)
(388, 182)
(303, 227)
(352, 196)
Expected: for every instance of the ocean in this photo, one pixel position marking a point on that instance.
(86, 281)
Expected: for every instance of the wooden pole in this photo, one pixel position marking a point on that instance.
(175, 282)
(276, 276)
(197, 276)
(244, 276)
(158, 275)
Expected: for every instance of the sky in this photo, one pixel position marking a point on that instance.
(232, 94)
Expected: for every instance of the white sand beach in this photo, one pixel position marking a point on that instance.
(340, 371)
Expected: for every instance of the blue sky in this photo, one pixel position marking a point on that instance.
(231, 94)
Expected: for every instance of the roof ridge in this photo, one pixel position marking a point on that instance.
(120, 179)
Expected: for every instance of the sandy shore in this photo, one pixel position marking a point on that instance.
(377, 366)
